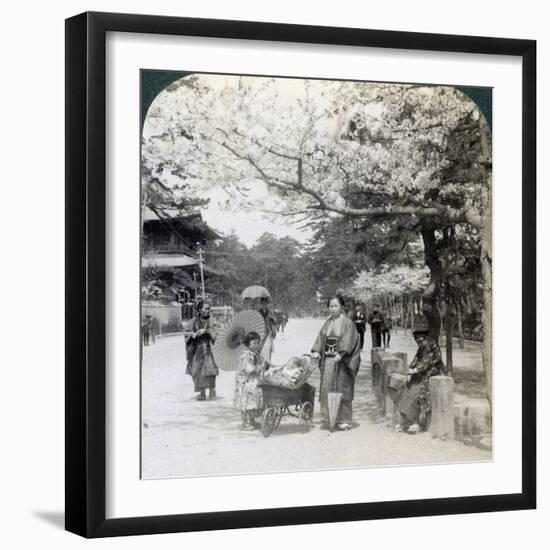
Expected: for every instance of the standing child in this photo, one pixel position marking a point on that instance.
(248, 395)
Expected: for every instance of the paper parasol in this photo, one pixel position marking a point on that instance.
(254, 292)
(228, 347)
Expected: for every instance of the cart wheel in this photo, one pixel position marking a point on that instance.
(278, 416)
(269, 421)
(305, 416)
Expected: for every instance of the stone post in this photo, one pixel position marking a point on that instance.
(442, 423)
(404, 358)
(391, 364)
(376, 357)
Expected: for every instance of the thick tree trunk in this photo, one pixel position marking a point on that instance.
(144, 199)
(486, 256)
(448, 335)
(442, 316)
(431, 294)
(460, 328)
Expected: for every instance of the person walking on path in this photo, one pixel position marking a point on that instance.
(338, 349)
(248, 395)
(147, 329)
(360, 320)
(376, 320)
(387, 326)
(413, 402)
(200, 361)
(267, 345)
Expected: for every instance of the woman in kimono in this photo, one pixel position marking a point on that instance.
(248, 395)
(200, 361)
(338, 347)
(414, 401)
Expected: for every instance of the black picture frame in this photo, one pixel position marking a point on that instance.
(86, 275)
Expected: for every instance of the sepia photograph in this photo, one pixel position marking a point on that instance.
(316, 274)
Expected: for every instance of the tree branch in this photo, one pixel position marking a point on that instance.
(275, 182)
(468, 215)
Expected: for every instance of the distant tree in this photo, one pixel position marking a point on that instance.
(273, 262)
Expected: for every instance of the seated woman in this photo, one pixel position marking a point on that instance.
(248, 395)
(338, 347)
(414, 401)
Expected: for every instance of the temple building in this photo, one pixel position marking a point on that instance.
(170, 260)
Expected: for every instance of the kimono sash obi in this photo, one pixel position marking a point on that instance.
(331, 348)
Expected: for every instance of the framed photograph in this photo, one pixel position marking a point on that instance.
(300, 275)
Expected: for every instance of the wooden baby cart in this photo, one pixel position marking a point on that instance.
(280, 401)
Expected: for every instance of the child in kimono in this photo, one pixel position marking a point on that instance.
(248, 395)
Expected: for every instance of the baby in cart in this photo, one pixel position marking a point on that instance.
(253, 370)
(292, 374)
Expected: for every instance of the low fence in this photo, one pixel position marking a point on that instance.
(170, 319)
(452, 416)
(167, 318)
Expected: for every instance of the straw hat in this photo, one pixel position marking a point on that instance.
(421, 328)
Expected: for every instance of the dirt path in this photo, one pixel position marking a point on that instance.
(184, 437)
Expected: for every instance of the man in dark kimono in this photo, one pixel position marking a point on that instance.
(376, 322)
(284, 320)
(360, 321)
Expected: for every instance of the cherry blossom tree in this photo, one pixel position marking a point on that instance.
(413, 159)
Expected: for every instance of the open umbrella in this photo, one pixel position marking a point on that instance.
(228, 347)
(255, 291)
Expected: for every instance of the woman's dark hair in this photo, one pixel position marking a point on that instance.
(338, 297)
(251, 336)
